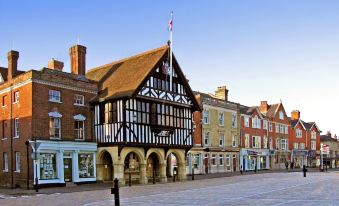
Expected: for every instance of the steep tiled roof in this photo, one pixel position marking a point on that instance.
(294, 122)
(247, 110)
(210, 100)
(271, 110)
(128, 73)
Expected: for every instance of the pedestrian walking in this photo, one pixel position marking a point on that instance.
(286, 165)
(292, 165)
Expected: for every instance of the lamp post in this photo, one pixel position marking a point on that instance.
(36, 165)
(27, 161)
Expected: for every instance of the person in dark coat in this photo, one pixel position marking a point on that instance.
(292, 165)
(286, 165)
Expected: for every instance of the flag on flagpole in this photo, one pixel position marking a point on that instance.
(170, 23)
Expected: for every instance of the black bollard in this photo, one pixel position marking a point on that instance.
(153, 176)
(115, 191)
(192, 173)
(304, 170)
(130, 179)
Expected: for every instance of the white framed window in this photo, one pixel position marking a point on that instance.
(281, 115)
(256, 142)
(54, 96)
(265, 142)
(221, 160)
(277, 143)
(276, 127)
(270, 127)
(286, 129)
(79, 130)
(221, 139)
(302, 145)
(196, 162)
(55, 128)
(234, 120)
(5, 162)
(284, 144)
(16, 97)
(247, 140)
(206, 116)
(228, 160)
(256, 122)
(79, 100)
(265, 124)
(296, 145)
(298, 133)
(313, 135)
(282, 131)
(247, 121)
(213, 159)
(207, 138)
(221, 118)
(17, 161)
(16, 128)
(313, 145)
(234, 141)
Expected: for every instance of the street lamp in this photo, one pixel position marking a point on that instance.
(27, 160)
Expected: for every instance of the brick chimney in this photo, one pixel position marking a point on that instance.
(263, 106)
(221, 93)
(12, 57)
(55, 65)
(295, 115)
(78, 59)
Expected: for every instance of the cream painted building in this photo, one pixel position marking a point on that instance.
(220, 135)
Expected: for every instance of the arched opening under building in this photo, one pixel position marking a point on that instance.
(132, 168)
(153, 168)
(105, 168)
(172, 166)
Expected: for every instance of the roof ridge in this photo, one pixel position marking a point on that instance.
(127, 58)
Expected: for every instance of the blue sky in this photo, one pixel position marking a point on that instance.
(261, 50)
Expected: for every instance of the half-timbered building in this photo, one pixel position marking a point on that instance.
(142, 118)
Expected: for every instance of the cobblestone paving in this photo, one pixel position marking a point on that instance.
(257, 189)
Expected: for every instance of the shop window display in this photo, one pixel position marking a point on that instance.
(48, 166)
(86, 168)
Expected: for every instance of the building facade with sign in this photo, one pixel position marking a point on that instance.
(49, 109)
(304, 142)
(278, 133)
(330, 151)
(143, 118)
(254, 152)
(216, 148)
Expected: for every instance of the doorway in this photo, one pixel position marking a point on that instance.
(68, 169)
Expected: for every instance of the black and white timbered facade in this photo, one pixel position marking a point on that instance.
(154, 116)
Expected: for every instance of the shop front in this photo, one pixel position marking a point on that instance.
(299, 157)
(61, 162)
(254, 159)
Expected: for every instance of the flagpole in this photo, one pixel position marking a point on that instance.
(170, 49)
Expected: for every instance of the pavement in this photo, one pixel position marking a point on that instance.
(263, 188)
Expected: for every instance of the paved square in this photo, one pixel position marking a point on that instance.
(257, 189)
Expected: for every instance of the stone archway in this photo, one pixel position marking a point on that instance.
(132, 167)
(176, 163)
(105, 169)
(153, 167)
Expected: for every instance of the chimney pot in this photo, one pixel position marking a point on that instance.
(12, 57)
(295, 115)
(222, 93)
(55, 65)
(78, 59)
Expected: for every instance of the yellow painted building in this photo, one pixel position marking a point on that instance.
(220, 135)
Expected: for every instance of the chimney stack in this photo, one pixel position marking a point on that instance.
(55, 65)
(263, 107)
(78, 59)
(12, 57)
(295, 115)
(221, 93)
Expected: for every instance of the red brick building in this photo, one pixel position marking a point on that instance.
(254, 152)
(51, 108)
(304, 141)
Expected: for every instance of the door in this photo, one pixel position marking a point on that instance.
(68, 169)
(206, 165)
(234, 163)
